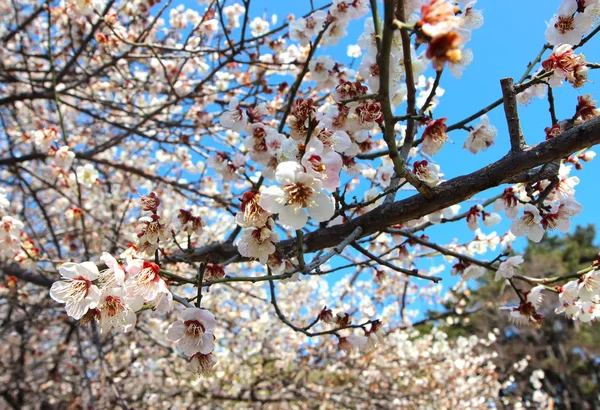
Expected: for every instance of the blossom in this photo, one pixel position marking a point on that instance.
(529, 224)
(568, 26)
(87, 175)
(426, 172)
(76, 290)
(235, 118)
(438, 17)
(444, 48)
(352, 342)
(300, 193)
(482, 136)
(201, 364)
(563, 63)
(508, 267)
(259, 27)
(258, 243)
(526, 312)
(434, 136)
(117, 310)
(354, 51)
(63, 158)
(589, 286)
(509, 202)
(194, 331)
(323, 163)
(473, 272)
(144, 279)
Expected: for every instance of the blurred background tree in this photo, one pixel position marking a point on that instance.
(567, 351)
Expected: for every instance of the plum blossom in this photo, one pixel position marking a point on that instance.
(438, 17)
(426, 172)
(75, 289)
(568, 26)
(87, 175)
(508, 267)
(258, 243)
(526, 312)
(235, 118)
(63, 158)
(194, 331)
(482, 136)
(300, 193)
(143, 279)
(117, 310)
(529, 224)
(259, 27)
(434, 136)
(323, 163)
(201, 364)
(509, 202)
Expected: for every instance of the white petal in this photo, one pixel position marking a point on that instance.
(293, 218)
(323, 208)
(286, 172)
(271, 199)
(176, 331)
(208, 343)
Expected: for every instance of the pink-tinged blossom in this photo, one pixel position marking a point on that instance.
(527, 311)
(117, 310)
(63, 158)
(75, 289)
(201, 364)
(472, 19)
(45, 137)
(235, 118)
(563, 63)
(560, 215)
(251, 214)
(434, 136)
(303, 29)
(568, 26)
(588, 312)
(258, 243)
(426, 172)
(143, 280)
(323, 163)
(194, 331)
(528, 224)
(438, 17)
(567, 299)
(155, 229)
(482, 136)
(509, 202)
(299, 193)
(507, 268)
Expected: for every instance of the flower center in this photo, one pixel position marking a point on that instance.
(79, 289)
(565, 24)
(299, 195)
(194, 328)
(113, 305)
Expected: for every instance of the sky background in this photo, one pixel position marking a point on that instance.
(512, 35)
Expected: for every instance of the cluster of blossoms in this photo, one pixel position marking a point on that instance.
(554, 211)
(111, 296)
(579, 299)
(11, 230)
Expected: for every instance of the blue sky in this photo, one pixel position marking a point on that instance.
(512, 35)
